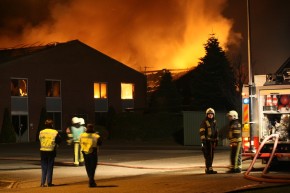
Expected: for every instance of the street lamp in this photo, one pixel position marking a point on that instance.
(251, 96)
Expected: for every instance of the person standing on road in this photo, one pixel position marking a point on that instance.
(209, 138)
(235, 131)
(74, 132)
(90, 141)
(49, 140)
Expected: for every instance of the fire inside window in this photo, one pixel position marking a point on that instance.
(52, 88)
(18, 87)
(100, 90)
(127, 91)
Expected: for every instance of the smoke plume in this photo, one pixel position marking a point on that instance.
(151, 34)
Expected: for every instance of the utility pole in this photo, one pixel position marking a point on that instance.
(251, 86)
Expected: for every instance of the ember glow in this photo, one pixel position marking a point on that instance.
(151, 34)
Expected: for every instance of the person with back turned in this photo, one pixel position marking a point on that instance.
(208, 136)
(74, 132)
(49, 140)
(89, 142)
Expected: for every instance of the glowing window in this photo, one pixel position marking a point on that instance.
(127, 91)
(52, 88)
(19, 87)
(100, 90)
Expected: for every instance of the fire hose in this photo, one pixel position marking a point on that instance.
(266, 177)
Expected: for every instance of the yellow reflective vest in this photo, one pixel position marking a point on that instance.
(47, 139)
(88, 142)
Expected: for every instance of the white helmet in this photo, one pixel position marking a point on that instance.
(210, 110)
(75, 120)
(234, 114)
(82, 121)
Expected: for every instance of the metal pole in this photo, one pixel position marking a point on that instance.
(252, 147)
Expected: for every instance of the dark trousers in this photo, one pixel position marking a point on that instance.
(236, 156)
(91, 161)
(47, 163)
(208, 153)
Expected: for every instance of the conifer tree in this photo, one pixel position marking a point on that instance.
(166, 97)
(213, 82)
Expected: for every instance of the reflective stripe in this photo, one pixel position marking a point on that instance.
(235, 140)
(207, 124)
(209, 132)
(230, 134)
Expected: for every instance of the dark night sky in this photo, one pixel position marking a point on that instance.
(270, 29)
(154, 33)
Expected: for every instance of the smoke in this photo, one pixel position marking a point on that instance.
(151, 34)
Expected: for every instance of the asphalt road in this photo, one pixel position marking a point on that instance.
(127, 168)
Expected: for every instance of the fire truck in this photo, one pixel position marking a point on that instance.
(271, 115)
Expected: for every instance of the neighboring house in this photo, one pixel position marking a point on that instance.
(66, 79)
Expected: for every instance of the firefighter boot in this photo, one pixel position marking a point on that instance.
(210, 171)
(237, 170)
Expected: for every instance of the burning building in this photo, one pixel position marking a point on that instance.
(66, 79)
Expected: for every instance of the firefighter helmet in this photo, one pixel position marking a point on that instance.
(210, 110)
(75, 120)
(234, 114)
(82, 121)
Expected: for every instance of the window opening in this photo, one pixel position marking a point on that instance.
(52, 88)
(100, 90)
(127, 91)
(19, 87)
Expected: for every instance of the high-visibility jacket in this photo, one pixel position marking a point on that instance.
(47, 139)
(208, 130)
(235, 131)
(89, 142)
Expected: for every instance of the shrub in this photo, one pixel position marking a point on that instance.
(7, 131)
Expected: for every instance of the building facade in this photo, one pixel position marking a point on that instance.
(65, 79)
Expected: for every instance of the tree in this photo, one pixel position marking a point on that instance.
(241, 75)
(213, 82)
(7, 132)
(166, 97)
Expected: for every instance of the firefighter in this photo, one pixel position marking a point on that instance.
(89, 142)
(49, 139)
(235, 132)
(74, 132)
(208, 135)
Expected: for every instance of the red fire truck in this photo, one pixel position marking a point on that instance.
(271, 115)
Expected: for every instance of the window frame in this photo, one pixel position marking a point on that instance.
(132, 90)
(46, 89)
(18, 83)
(100, 90)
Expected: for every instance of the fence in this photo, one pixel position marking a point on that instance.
(191, 125)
